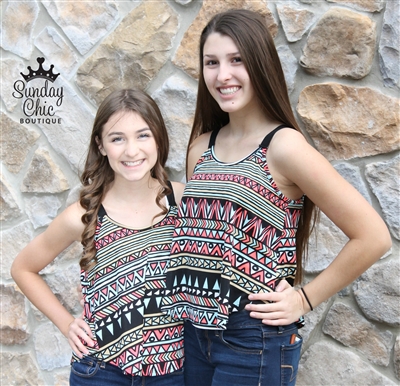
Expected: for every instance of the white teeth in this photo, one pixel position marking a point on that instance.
(133, 163)
(229, 90)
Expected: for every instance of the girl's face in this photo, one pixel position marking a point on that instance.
(226, 76)
(129, 145)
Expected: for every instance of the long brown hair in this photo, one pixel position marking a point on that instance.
(98, 174)
(250, 34)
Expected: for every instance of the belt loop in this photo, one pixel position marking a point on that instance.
(280, 330)
(102, 365)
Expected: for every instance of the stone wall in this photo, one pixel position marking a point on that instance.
(341, 60)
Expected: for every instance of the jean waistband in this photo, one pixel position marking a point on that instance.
(243, 319)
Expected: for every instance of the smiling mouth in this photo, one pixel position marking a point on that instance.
(134, 163)
(228, 90)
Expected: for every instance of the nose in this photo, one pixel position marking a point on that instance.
(131, 148)
(224, 73)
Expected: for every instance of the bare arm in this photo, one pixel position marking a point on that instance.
(178, 191)
(296, 162)
(197, 148)
(41, 251)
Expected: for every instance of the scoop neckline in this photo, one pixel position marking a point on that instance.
(138, 229)
(234, 162)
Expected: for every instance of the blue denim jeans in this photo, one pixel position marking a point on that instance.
(91, 372)
(247, 353)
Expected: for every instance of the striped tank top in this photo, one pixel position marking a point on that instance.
(122, 295)
(235, 235)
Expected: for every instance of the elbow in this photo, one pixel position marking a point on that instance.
(386, 242)
(13, 272)
(383, 241)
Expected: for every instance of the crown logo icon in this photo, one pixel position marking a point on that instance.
(40, 72)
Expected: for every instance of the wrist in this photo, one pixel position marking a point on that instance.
(67, 328)
(307, 305)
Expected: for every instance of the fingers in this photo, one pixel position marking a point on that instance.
(273, 296)
(282, 307)
(273, 318)
(80, 336)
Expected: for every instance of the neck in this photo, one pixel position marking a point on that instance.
(250, 122)
(128, 192)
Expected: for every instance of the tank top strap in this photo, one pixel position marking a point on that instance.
(267, 139)
(171, 196)
(102, 212)
(213, 137)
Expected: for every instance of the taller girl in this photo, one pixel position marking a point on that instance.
(246, 213)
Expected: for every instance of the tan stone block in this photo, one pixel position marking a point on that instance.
(51, 347)
(347, 122)
(62, 378)
(133, 54)
(65, 284)
(54, 47)
(324, 363)
(17, 25)
(10, 72)
(19, 369)
(15, 143)
(377, 292)
(342, 44)
(12, 242)
(383, 179)
(43, 175)
(186, 56)
(14, 320)
(362, 5)
(348, 327)
(8, 204)
(84, 22)
(295, 22)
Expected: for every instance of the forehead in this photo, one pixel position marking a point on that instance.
(123, 121)
(216, 41)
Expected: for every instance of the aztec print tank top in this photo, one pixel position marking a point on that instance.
(122, 295)
(235, 235)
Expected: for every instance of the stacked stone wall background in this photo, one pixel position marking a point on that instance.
(341, 61)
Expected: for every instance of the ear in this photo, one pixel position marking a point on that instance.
(100, 146)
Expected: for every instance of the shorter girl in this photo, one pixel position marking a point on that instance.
(124, 219)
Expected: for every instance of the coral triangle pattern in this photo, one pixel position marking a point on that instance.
(235, 235)
(122, 297)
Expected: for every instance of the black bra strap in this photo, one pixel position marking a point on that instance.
(213, 137)
(171, 196)
(265, 142)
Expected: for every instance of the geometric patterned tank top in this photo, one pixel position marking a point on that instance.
(235, 234)
(122, 295)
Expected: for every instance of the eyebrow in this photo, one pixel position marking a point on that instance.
(230, 54)
(121, 133)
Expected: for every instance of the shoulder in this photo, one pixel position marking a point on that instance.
(196, 149)
(288, 145)
(66, 227)
(178, 188)
(74, 211)
(71, 218)
(200, 144)
(293, 161)
(287, 137)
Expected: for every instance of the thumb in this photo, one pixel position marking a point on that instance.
(283, 284)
